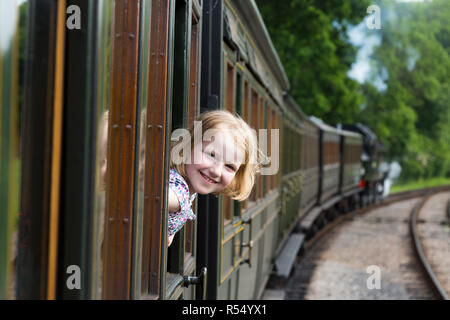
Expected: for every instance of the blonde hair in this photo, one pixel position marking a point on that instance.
(244, 179)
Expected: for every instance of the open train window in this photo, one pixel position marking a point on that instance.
(185, 109)
(180, 113)
(180, 63)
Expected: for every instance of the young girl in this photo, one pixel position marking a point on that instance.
(224, 160)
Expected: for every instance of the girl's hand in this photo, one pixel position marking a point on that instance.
(174, 203)
(169, 240)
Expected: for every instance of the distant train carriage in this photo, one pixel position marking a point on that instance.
(292, 173)
(351, 149)
(310, 165)
(351, 167)
(329, 161)
(301, 179)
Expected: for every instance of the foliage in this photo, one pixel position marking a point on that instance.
(412, 115)
(312, 42)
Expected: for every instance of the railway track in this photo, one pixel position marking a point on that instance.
(431, 240)
(342, 260)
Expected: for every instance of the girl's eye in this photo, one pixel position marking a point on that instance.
(231, 167)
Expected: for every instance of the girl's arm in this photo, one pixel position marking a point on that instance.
(174, 203)
(169, 240)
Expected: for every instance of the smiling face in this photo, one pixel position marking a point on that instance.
(215, 163)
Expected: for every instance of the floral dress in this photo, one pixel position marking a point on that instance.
(177, 219)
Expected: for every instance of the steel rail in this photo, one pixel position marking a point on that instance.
(400, 196)
(419, 249)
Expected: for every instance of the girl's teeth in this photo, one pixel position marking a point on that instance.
(209, 179)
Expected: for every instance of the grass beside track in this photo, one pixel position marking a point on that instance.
(413, 185)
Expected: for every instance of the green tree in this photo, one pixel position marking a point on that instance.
(413, 115)
(312, 42)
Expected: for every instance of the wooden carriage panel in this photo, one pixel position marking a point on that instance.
(155, 149)
(119, 210)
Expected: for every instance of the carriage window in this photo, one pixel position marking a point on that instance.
(121, 152)
(101, 164)
(259, 125)
(229, 92)
(178, 97)
(270, 126)
(151, 154)
(277, 126)
(141, 241)
(238, 100)
(238, 109)
(253, 121)
(180, 114)
(263, 125)
(193, 112)
(227, 203)
(244, 114)
(194, 81)
(185, 109)
(245, 107)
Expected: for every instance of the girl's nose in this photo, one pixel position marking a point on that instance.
(216, 170)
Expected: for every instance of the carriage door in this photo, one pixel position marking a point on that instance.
(181, 262)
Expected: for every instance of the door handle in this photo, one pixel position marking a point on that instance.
(250, 247)
(199, 281)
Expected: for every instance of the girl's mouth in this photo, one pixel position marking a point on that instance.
(208, 179)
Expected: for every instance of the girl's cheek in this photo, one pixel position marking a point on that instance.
(196, 155)
(207, 161)
(229, 178)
